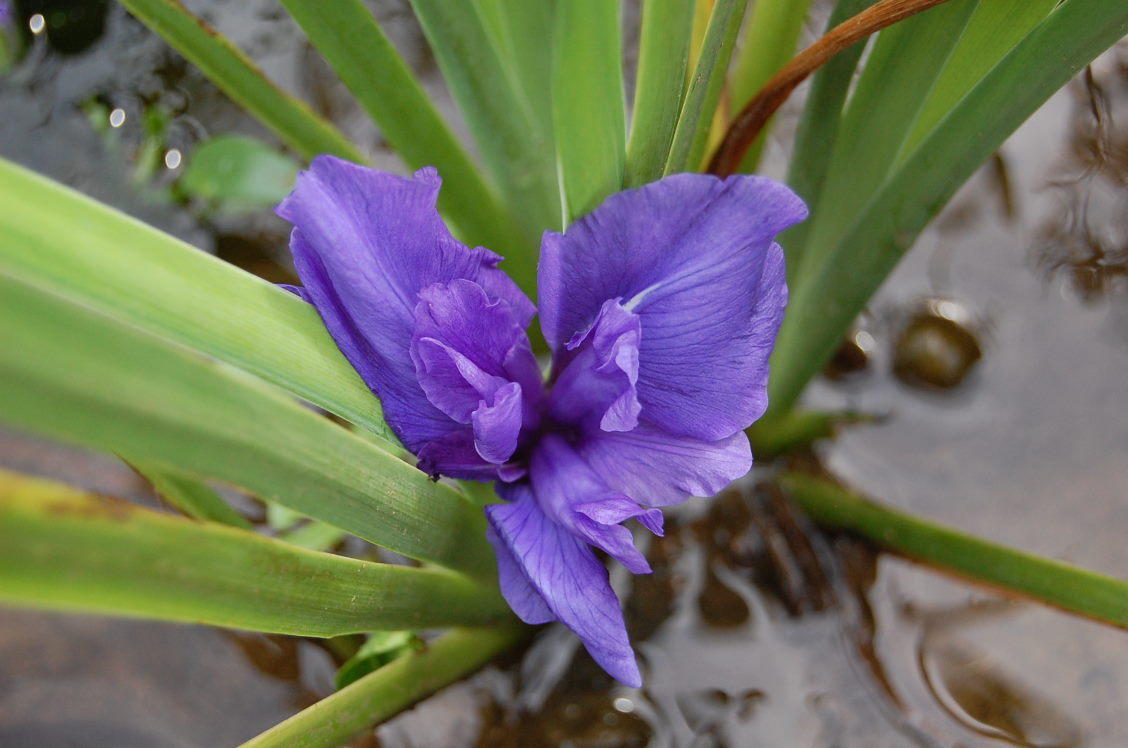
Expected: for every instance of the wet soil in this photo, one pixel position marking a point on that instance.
(755, 628)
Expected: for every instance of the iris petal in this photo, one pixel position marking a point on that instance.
(694, 258)
(365, 243)
(596, 387)
(575, 497)
(570, 580)
(666, 470)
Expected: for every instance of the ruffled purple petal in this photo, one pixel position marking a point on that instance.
(664, 470)
(497, 424)
(596, 386)
(564, 572)
(474, 363)
(456, 455)
(694, 258)
(365, 243)
(574, 497)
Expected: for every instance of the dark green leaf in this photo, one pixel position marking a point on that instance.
(1066, 586)
(824, 305)
(190, 496)
(385, 692)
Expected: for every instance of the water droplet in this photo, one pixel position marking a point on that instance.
(117, 118)
(37, 23)
(623, 704)
(172, 158)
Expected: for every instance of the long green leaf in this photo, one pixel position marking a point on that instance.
(512, 145)
(238, 77)
(818, 130)
(992, 31)
(348, 36)
(587, 102)
(896, 81)
(64, 549)
(74, 374)
(770, 36)
(523, 30)
(190, 496)
(135, 273)
(824, 305)
(1066, 586)
(696, 116)
(663, 55)
(389, 690)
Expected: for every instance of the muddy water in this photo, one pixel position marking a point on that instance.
(755, 629)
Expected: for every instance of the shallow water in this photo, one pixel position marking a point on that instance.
(755, 629)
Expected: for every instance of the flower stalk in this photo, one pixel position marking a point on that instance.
(1057, 583)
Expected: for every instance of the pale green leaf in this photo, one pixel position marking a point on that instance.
(67, 550)
(142, 276)
(72, 373)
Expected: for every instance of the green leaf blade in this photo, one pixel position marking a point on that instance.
(589, 119)
(898, 76)
(771, 34)
(992, 31)
(512, 145)
(1064, 585)
(523, 29)
(190, 496)
(236, 171)
(663, 57)
(388, 690)
(824, 306)
(818, 131)
(71, 373)
(62, 549)
(141, 276)
(696, 116)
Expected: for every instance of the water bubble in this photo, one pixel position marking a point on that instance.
(938, 347)
(172, 158)
(37, 23)
(623, 704)
(117, 118)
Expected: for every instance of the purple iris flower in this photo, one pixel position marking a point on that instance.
(661, 308)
